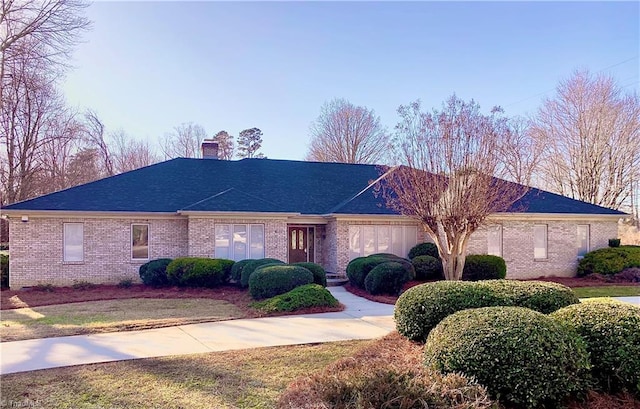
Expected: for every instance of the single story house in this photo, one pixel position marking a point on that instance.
(294, 211)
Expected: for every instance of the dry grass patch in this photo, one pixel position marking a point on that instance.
(111, 316)
(235, 379)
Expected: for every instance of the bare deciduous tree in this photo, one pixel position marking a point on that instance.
(249, 143)
(94, 138)
(591, 134)
(225, 145)
(446, 178)
(347, 133)
(129, 154)
(184, 141)
(520, 151)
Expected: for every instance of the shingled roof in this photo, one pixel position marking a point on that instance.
(254, 185)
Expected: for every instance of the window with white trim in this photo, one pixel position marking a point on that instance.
(540, 241)
(139, 241)
(73, 242)
(584, 239)
(239, 241)
(365, 240)
(494, 240)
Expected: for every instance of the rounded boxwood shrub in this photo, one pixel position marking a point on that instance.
(424, 249)
(484, 267)
(611, 331)
(427, 268)
(252, 266)
(387, 278)
(199, 272)
(521, 356)
(236, 270)
(420, 308)
(609, 261)
(271, 280)
(154, 272)
(305, 296)
(359, 268)
(319, 275)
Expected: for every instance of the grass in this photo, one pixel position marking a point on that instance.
(110, 316)
(607, 291)
(235, 379)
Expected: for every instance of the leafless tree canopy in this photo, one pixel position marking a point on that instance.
(449, 160)
(225, 145)
(591, 131)
(130, 154)
(249, 143)
(348, 134)
(184, 141)
(520, 152)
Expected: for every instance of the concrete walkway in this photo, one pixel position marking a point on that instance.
(362, 319)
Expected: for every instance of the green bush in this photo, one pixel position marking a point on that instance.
(420, 308)
(359, 268)
(319, 275)
(154, 272)
(236, 270)
(305, 296)
(199, 272)
(427, 268)
(484, 267)
(614, 242)
(609, 261)
(611, 331)
(271, 280)
(387, 278)
(252, 266)
(521, 356)
(4, 271)
(424, 249)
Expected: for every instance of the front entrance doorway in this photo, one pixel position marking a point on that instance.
(301, 244)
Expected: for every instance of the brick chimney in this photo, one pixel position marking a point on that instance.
(209, 149)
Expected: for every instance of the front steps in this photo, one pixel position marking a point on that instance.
(336, 279)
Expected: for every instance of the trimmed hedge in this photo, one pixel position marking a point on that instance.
(252, 266)
(236, 270)
(484, 267)
(154, 272)
(609, 261)
(271, 280)
(428, 268)
(611, 331)
(199, 272)
(420, 308)
(387, 278)
(521, 356)
(359, 268)
(319, 275)
(424, 249)
(305, 296)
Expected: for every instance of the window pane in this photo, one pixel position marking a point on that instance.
(396, 241)
(73, 242)
(384, 240)
(494, 240)
(257, 241)
(410, 238)
(583, 239)
(239, 242)
(540, 241)
(140, 241)
(223, 237)
(369, 240)
(354, 242)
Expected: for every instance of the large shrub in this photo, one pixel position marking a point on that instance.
(521, 356)
(427, 268)
(424, 249)
(252, 266)
(154, 272)
(4, 270)
(271, 280)
(420, 308)
(199, 272)
(359, 268)
(484, 267)
(609, 261)
(387, 278)
(236, 270)
(319, 274)
(611, 331)
(305, 296)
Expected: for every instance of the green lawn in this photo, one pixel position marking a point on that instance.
(607, 291)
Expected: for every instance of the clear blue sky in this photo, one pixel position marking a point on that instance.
(149, 66)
